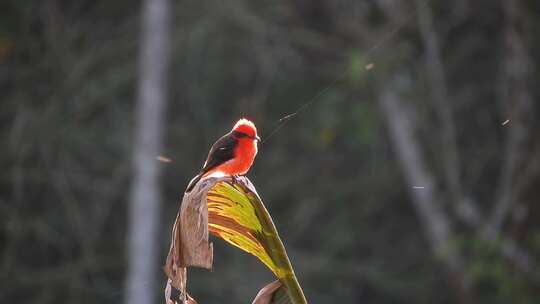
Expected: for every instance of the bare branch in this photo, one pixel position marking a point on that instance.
(517, 96)
(421, 184)
(439, 96)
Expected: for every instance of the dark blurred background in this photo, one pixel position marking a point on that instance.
(412, 177)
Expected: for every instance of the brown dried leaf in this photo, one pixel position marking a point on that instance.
(266, 294)
(173, 298)
(189, 245)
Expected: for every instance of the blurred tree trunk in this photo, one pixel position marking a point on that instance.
(145, 200)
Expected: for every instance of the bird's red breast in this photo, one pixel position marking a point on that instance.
(244, 156)
(245, 135)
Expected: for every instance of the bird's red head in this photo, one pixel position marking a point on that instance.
(246, 127)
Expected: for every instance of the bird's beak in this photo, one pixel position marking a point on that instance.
(257, 138)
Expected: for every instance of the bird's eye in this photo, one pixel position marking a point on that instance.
(239, 134)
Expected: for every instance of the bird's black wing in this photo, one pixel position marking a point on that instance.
(221, 151)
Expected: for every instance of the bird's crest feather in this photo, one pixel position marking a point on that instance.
(245, 126)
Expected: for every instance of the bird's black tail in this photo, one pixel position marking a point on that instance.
(193, 182)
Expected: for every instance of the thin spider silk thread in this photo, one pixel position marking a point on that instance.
(387, 36)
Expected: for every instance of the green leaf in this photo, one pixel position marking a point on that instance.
(237, 214)
(232, 210)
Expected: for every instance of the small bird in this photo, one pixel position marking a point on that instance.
(232, 154)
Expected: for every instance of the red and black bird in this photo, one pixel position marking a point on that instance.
(232, 154)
